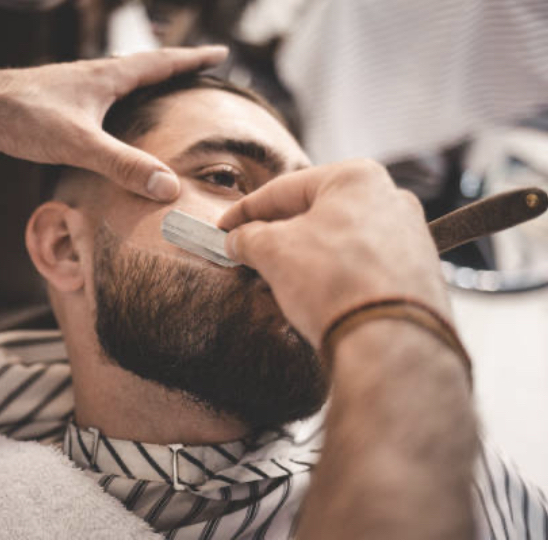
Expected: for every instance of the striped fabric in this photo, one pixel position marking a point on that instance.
(36, 397)
(238, 490)
(233, 490)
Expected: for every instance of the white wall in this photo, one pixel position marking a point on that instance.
(507, 337)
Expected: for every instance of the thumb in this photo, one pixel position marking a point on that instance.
(253, 244)
(131, 168)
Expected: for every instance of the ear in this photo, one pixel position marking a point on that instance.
(53, 235)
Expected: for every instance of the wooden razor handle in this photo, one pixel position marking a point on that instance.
(487, 216)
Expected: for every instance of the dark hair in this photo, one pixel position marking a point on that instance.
(134, 115)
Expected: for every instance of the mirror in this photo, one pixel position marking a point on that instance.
(515, 259)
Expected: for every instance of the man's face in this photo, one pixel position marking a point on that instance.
(220, 144)
(213, 333)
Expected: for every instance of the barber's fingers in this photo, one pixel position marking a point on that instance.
(131, 168)
(151, 67)
(256, 245)
(294, 193)
(281, 198)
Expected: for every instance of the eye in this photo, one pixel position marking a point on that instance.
(223, 175)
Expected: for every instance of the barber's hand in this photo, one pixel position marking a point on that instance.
(332, 237)
(53, 114)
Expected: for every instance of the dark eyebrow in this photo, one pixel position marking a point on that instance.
(258, 152)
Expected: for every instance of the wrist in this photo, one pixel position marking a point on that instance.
(374, 349)
(397, 309)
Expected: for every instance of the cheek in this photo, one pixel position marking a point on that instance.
(143, 230)
(202, 205)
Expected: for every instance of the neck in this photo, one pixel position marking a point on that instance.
(124, 406)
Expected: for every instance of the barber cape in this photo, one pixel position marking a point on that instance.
(222, 491)
(248, 489)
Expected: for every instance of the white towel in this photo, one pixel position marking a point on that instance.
(43, 496)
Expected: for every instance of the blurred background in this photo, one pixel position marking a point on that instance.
(452, 96)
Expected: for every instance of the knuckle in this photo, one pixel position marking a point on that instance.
(411, 201)
(98, 71)
(257, 237)
(256, 242)
(102, 67)
(367, 167)
(410, 198)
(363, 170)
(125, 171)
(245, 210)
(361, 173)
(102, 75)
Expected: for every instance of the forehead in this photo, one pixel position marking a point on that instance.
(193, 115)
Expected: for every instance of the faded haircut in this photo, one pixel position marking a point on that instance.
(137, 113)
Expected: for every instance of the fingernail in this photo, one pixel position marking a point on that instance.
(163, 186)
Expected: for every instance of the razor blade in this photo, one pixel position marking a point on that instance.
(197, 237)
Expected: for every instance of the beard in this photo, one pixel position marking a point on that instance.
(211, 333)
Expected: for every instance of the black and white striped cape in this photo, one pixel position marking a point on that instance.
(223, 491)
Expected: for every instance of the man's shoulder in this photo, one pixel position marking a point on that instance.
(36, 396)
